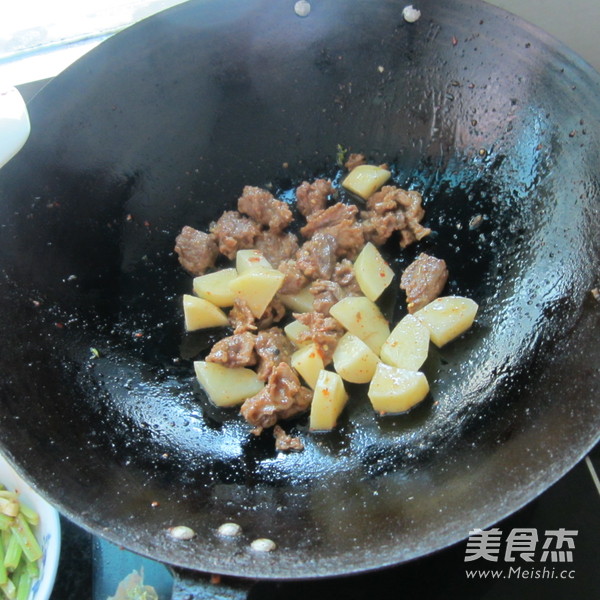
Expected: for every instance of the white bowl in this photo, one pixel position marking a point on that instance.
(47, 533)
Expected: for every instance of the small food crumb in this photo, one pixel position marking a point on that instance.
(229, 529)
(476, 221)
(596, 294)
(411, 14)
(181, 532)
(381, 68)
(302, 8)
(263, 545)
(285, 442)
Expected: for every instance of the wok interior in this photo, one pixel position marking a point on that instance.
(201, 102)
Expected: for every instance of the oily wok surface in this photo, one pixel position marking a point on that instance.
(162, 126)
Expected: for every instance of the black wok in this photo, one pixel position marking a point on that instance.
(161, 126)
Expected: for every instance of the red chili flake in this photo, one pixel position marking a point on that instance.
(254, 259)
(381, 274)
(454, 40)
(215, 579)
(154, 504)
(325, 392)
(129, 217)
(146, 223)
(138, 334)
(59, 325)
(311, 355)
(358, 317)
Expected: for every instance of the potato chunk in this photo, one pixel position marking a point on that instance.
(408, 344)
(395, 390)
(363, 318)
(447, 318)
(201, 314)
(214, 287)
(301, 302)
(225, 386)
(365, 180)
(257, 287)
(246, 260)
(329, 400)
(354, 360)
(295, 331)
(372, 273)
(309, 363)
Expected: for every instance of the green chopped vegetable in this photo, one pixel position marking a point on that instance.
(3, 571)
(12, 555)
(33, 569)
(5, 522)
(24, 535)
(341, 155)
(30, 515)
(9, 589)
(23, 586)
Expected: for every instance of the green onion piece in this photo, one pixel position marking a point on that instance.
(30, 515)
(9, 495)
(27, 540)
(3, 572)
(23, 586)
(12, 555)
(9, 589)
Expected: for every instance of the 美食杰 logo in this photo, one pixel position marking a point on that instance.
(528, 553)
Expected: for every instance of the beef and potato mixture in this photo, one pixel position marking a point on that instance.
(301, 310)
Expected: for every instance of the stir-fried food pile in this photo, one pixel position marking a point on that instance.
(302, 309)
